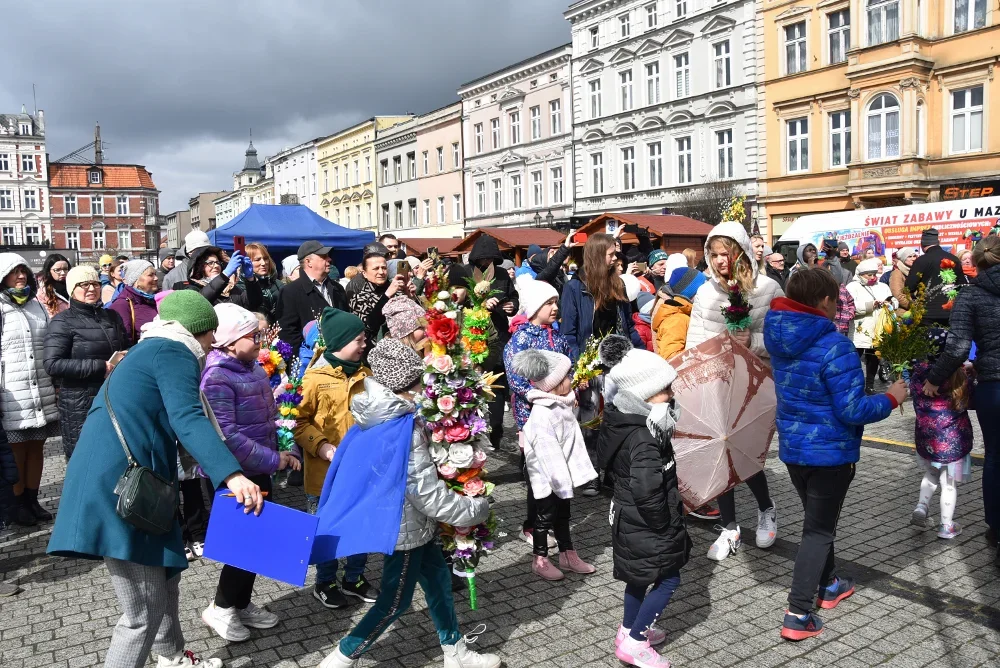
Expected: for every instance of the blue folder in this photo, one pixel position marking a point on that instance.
(276, 544)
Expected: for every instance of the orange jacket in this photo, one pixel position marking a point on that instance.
(670, 326)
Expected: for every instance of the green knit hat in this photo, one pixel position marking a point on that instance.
(339, 328)
(191, 310)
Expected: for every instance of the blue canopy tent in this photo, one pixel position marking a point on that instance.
(283, 228)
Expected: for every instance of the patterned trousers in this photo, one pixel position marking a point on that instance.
(149, 618)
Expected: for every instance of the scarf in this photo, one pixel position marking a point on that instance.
(147, 295)
(902, 268)
(350, 368)
(20, 295)
(661, 419)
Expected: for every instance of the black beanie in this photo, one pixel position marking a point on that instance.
(929, 238)
(458, 275)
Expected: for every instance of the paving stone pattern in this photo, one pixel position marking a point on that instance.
(921, 601)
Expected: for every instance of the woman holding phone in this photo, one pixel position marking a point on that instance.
(79, 345)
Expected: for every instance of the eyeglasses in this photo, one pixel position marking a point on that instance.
(59, 270)
(89, 285)
(257, 336)
(213, 263)
(778, 261)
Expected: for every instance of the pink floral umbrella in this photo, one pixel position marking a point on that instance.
(727, 401)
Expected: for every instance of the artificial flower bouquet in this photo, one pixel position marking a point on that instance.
(737, 311)
(476, 321)
(288, 398)
(588, 364)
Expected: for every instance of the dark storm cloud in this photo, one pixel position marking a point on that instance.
(176, 85)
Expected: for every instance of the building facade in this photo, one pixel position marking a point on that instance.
(295, 175)
(254, 184)
(664, 102)
(202, 209)
(25, 218)
(420, 175)
(873, 103)
(347, 173)
(517, 130)
(177, 224)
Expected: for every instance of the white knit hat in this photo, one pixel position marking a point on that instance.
(543, 368)
(632, 286)
(534, 294)
(642, 374)
(868, 266)
(235, 322)
(675, 261)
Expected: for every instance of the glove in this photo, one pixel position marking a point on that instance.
(234, 263)
(247, 267)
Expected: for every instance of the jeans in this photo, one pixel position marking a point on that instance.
(235, 584)
(402, 571)
(326, 572)
(553, 514)
(642, 607)
(727, 502)
(822, 490)
(988, 412)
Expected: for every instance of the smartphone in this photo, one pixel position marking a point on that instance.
(432, 253)
(580, 238)
(116, 358)
(240, 244)
(631, 229)
(642, 266)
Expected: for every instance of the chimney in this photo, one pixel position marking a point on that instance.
(98, 148)
(40, 122)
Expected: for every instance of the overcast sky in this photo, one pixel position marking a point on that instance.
(177, 84)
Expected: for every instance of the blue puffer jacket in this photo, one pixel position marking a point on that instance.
(576, 315)
(524, 336)
(822, 405)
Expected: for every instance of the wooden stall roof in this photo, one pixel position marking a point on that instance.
(516, 239)
(419, 246)
(658, 225)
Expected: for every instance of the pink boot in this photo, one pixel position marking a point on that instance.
(543, 568)
(571, 561)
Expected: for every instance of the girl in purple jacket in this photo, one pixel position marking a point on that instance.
(238, 391)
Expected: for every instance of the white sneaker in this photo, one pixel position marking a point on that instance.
(919, 516)
(726, 544)
(640, 654)
(336, 659)
(529, 538)
(226, 622)
(187, 658)
(198, 548)
(767, 528)
(256, 617)
(460, 656)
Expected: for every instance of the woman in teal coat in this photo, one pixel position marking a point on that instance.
(155, 396)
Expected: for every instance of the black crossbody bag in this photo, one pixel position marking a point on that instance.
(146, 500)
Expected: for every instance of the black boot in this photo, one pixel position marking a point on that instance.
(21, 513)
(31, 500)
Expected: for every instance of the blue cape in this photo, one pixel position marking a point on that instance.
(362, 501)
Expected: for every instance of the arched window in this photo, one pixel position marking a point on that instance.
(883, 127)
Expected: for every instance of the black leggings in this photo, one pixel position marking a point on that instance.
(870, 363)
(194, 512)
(553, 514)
(727, 502)
(235, 584)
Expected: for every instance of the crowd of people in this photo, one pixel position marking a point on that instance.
(166, 357)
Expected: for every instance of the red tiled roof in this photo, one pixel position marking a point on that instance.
(659, 225)
(419, 246)
(65, 175)
(509, 238)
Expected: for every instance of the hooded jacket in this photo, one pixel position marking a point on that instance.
(648, 534)
(135, 310)
(214, 290)
(161, 273)
(525, 335)
(707, 320)
(800, 254)
(865, 296)
(822, 405)
(486, 248)
(670, 326)
(427, 500)
(974, 318)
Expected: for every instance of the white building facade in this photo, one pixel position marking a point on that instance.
(254, 184)
(517, 132)
(396, 178)
(294, 173)
(663, 101)
(25, 218)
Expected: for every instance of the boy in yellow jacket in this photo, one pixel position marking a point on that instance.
(324, 418)
(672, 315)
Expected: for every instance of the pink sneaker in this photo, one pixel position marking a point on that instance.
(543, 568)
(571, 561)
(654, 635)
(640, 654)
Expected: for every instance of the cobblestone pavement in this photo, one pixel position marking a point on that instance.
(921, 601)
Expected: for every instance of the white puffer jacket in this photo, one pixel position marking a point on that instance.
(706, 311)
(865, 296)
(27, 394)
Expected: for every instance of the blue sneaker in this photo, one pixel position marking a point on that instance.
(830, 597)
(796, 628)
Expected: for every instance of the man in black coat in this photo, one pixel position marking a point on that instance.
(302, 300)
(927, 270)
(775, 268)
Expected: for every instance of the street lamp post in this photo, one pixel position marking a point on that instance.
(549, 218)
(538, 219)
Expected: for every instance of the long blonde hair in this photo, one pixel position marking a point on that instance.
(740, 266)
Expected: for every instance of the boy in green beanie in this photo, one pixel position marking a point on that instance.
(323, 420)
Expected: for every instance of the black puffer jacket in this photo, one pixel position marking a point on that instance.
(975, 317)
(486, 248)
(927, 270)
(648, 533)
(78, 342)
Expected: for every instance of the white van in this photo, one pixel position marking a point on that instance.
(888, 230)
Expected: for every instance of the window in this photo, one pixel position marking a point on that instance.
(411, 165)
(479, 137)
(30, 198)
(412, 206)
(628, 168)
(121, 205)
(336, 177)
(357, 214)
(426, 164)
(456, 158)
(69, 205)
(624, 30)
(4, 162)
(495, 133)
(883, 127)
(724, 149)
(969, 15)
(73, 240)
(597, 172)
(27, 163)
(921, 142)
(385, 216)
(537, 189)
(517, 201)
(397, 169)
(427, 211)
(398, 207)
(98, 236)
(33, 236)
(795, 48)
(653, 83)
(357, 176)
(497, 195)
(798, 145)
(385, 172)
(557, 185)
(723, 76)
(625, 85)
(684, 160)
(95, 177)
(515, 128)
(839, 35)
(883, 21)
(555, 117)
(368, 174)
(682, 74)
(595, 40)
(326, 180)
(682, 8)
(480, 198)
(595, 98)
(440, 211)
(440, 159)
(9, 236)
(655, 152)
(651, 20)
(124, 239)
(336, 217)
(6, 199)
(456, 208)
(536, 122)
(967, 120)
(25, 128)
(347, 216)
(840, 138)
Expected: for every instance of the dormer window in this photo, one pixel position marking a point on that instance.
(25, 128)
(95, 176)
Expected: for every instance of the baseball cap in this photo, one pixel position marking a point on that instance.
(312, 247)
